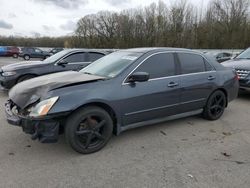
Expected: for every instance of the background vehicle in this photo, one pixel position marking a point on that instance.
(241, 64)
(29, 52)
(55, 50)
(73, 59)
(121, 91)
(13, 51)
(3, 51)
(221, 56)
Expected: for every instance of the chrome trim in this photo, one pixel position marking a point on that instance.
(242, 73)
(124, 83)
(162, 107)
(153, 79)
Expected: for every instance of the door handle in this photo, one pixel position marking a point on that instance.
(172, 84)
(211, 78)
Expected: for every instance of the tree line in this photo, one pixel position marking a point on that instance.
(222, 24)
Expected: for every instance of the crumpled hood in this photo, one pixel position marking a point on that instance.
(22, 65)
(237, 64)
(28, 92)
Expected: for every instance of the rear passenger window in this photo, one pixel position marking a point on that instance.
(77, 57)
(208, 67)
(159, 65)
(191, 63)
(94, 56)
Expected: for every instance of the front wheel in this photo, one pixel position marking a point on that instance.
(88, 130)
(26, 57)
(25, 77)
(215, 106)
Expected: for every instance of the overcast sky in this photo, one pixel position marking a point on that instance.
(57, 17)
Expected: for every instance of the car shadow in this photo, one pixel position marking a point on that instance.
(244, 94)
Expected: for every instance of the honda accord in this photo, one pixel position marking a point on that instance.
(123, 90)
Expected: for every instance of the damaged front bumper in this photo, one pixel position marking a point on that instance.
(46, 129)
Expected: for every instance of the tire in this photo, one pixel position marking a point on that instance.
(26, 57)
(25, 77)
(15, 56)
(215, 105)
(88, 130)
(47, 56)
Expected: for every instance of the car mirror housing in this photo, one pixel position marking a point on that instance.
(138, 77)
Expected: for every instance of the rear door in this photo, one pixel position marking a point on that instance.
(156, 98)
(198, 79)
(38, 53)
(93, 56)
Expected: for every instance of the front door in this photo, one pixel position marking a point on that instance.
(156, 98)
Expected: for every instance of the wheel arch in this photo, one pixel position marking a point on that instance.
(28, 74)
(224, 91)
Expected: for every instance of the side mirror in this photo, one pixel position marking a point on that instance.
(138, 77)
(62, 62)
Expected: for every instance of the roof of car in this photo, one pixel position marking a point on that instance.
(154, 49)
(104, 51)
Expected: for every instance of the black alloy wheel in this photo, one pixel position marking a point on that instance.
(215, 106)
(89, 129)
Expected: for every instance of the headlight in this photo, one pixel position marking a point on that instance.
(10, 73)
(43, 107)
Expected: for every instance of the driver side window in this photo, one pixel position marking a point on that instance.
(158, 66)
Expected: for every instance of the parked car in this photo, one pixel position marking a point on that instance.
(241, 64)
(12, 51)
(73, 59)
(3, 50)
(27, 53)
(221, 56)
(123, 90)
(55, 50)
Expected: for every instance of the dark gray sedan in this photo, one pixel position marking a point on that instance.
(123, 90)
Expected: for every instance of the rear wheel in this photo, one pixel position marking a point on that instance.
(26, 57)
(15, 56)
(215, 106)
(25, 77)
(88, 130)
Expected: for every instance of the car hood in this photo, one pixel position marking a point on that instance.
(238, 64)
(22, 65)
(30, 91)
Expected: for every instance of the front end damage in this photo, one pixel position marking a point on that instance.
(30, 102)
(45, 129)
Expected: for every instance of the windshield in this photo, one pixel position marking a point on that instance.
(56, 57)
(112, 64)
(244, 55)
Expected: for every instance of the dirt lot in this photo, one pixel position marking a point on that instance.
(189, 152)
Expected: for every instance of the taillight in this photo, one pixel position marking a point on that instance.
(237, 77)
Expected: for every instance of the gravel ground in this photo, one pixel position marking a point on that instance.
(189, 152)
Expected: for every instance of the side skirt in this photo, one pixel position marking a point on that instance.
(159, 120)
